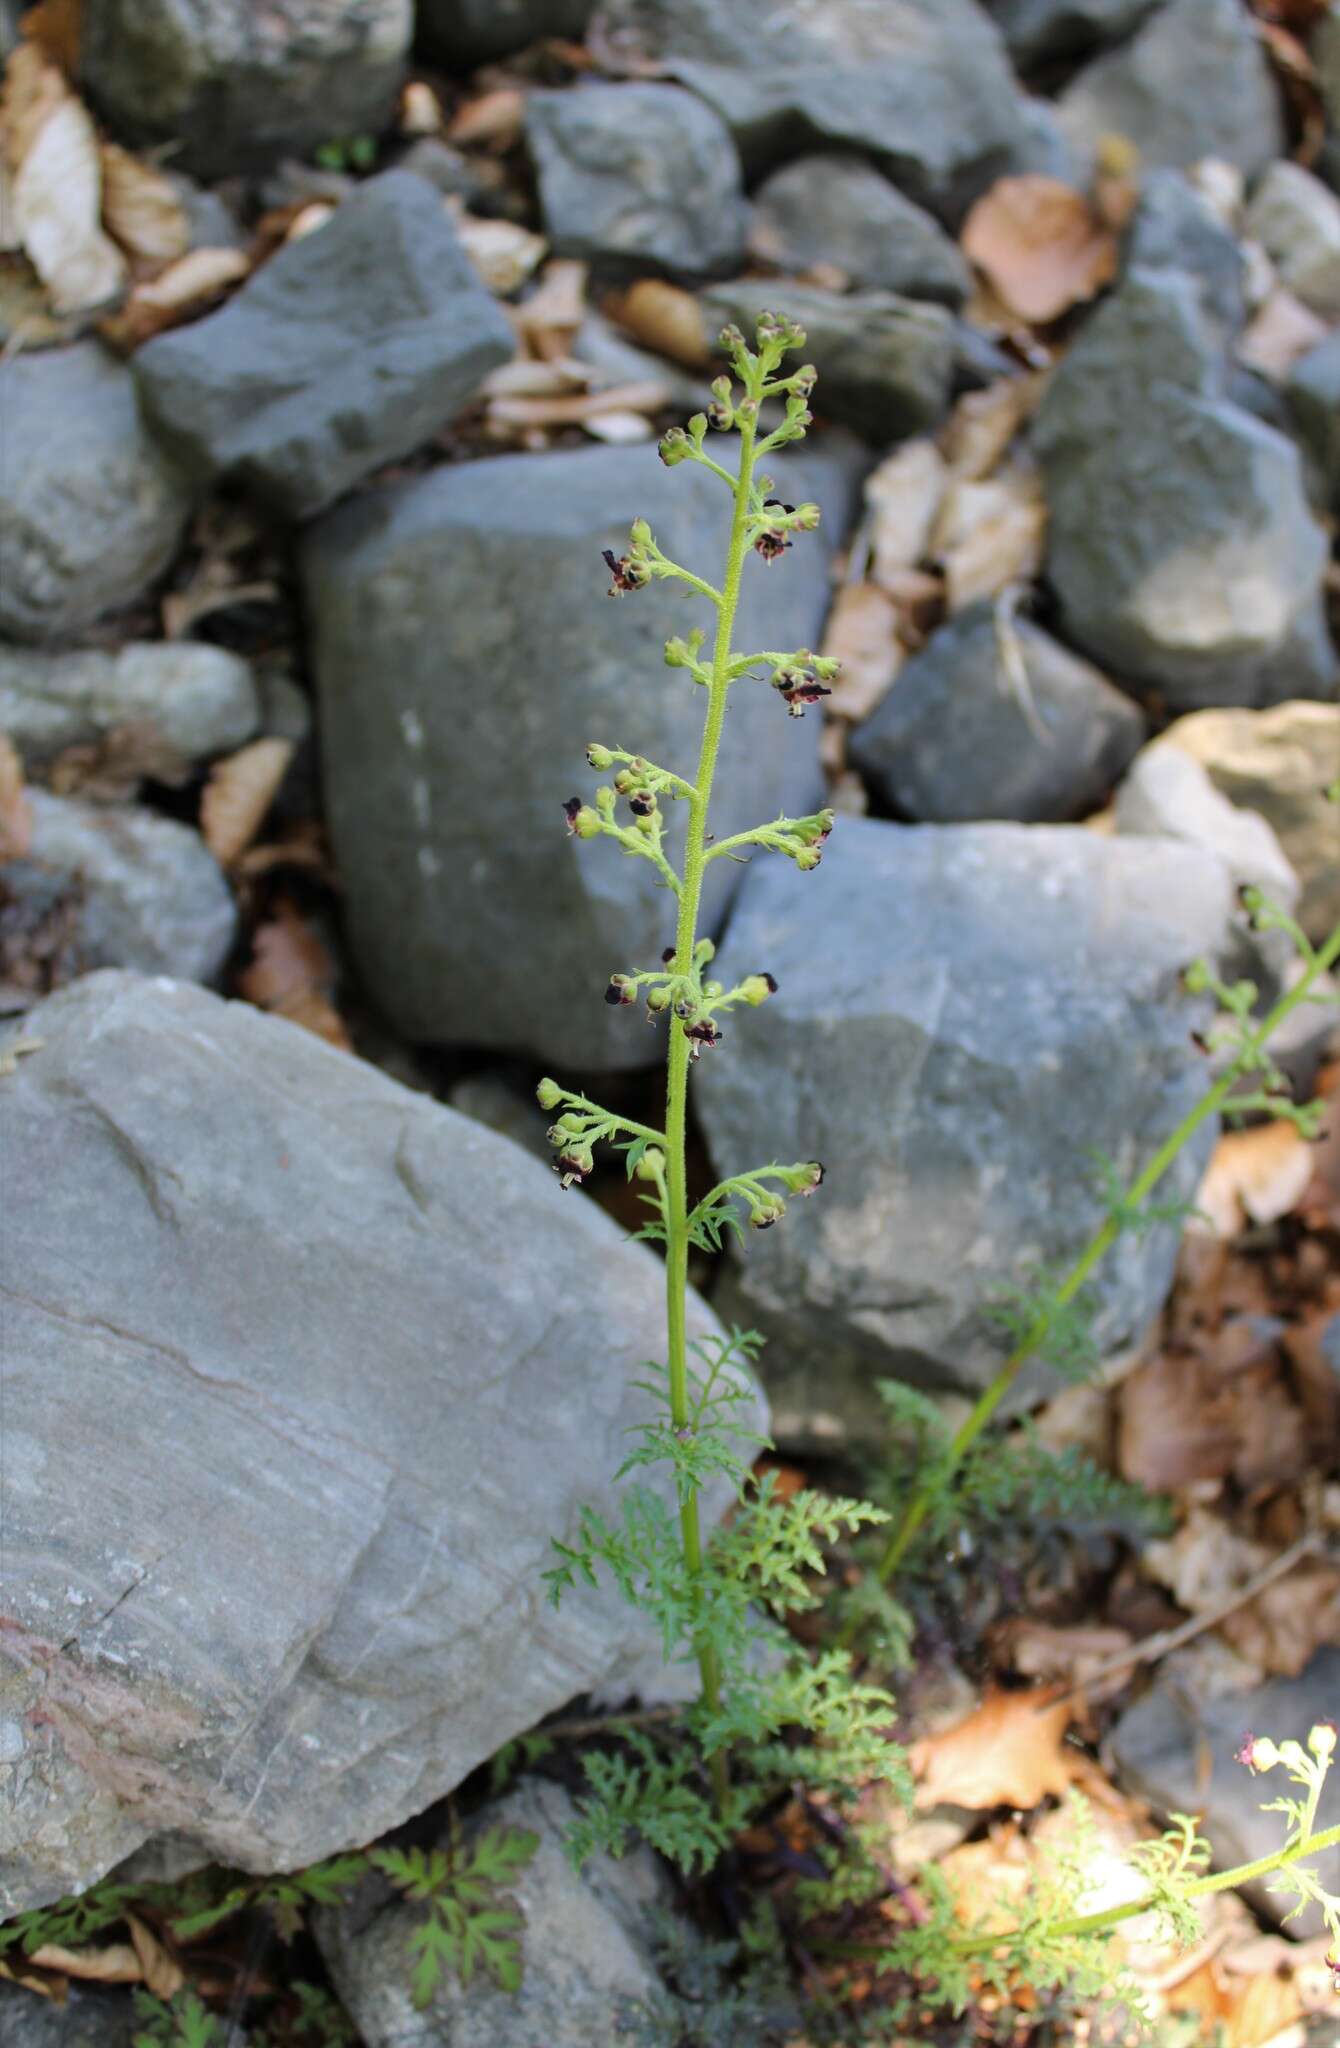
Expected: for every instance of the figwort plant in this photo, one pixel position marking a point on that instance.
(718, 1601)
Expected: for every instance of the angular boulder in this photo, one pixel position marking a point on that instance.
(115, 885)
(236, 88)
(288, 1433)
(89, 2018)
(885, 363)
(1296, 219)
(963, 735)
(838, 209)
(465, 653)
(926, 91)
(964, 1014)
(93, 508)
(1313, 393)
(586, 1947)
(350, 347)
(1180, 541)
(1194, 81)
(177, 702)
(638, 175)
(1175, 229)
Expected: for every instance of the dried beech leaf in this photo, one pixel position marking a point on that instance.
(991, 534)
(420, 109)
(140, 208)
(191, 285)
(1258, 1174)
(527, 377)
(290, 974)
(1039, 245)
(239, 792)
(862, 633)
(55, 27)
(983, 424)
(549, 319)
(665, 318)
(503, 253)
(115, 1964)
(161, 1974)
(1036, 1650)
(492, 121)
(16, 814)
(1176, 1424)
(1205, 1563)
(1009, 1752)
(56, 186)
(903, 498)
(1283, 1627)
(576, 408)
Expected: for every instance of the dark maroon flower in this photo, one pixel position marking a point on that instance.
(797, 687)
(773, 540)
(620, 990)
(626, 574)
(642, 803)
(701, 1033)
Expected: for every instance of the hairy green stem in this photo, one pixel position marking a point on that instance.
(677, 1076)
(1099, 1244)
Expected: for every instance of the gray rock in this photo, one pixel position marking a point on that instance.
(957, 739)
(1174, 229)
(1166, 794)
(1046, 31)
(884, 362)
(149, 894)
(1180, 540)
(9, 26)
(180, 701)
(93, 510)
(585, 1947)
(446, 169)
(838, 209)
(423, 653)
(349, 348)
(235, 88)
(1313, 393)
(927, 91)
(1325, 53)
(613, 359)
(638, 175)
(495, 1098)
(1279, 763)
(287, 1439)
(1297, 222)
(1177, 1751)
(463, 33)
(964, 1013)
(88, 2019)
(1194, 81)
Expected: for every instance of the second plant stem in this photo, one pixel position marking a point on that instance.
(677, 1077)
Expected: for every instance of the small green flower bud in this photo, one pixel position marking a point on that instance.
(747, 409)
(765, 1214)
(583, 822)
(704, 952)
(756, 988)
(639, 533)
(658, 998)
(1321, 1740)
(599, 757)
(548, 1094)
(674, 446)
(805, 379)
(730, 339)
(721, 417)
(697, 428)
(1196, 978)
(621, 989)
(574, 1164)
(713, 989)
(605, 800)
(721, 390)
(805, 1178)
(808, 857)
(1258, 1752)
(651, 1165)
(807, 517)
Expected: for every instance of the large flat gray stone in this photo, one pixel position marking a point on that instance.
(179, 702)
(350, 347)
(465, 653)
(838, 209)
(963, 1012)
(303, 1373)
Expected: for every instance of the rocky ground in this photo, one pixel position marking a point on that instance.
(337, 341)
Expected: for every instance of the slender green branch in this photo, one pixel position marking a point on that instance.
(704, 589)
(1214, 1099)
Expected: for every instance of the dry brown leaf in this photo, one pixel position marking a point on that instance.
(578, 407)
(1282, 330)
(1177, 1424)
(493, 121)
(1039, 245)
(1205, 1562)
(16, 813)
(421, 111)
(1034, 1649)
(185, 608)
(902, 499)
(141, 209)
(1258, 1174)
(862, 633)
(1009, 1752)
(983, 424)
(238, 793)
(161, 1975)
(55, 26)
(115, 1964)
(32, 1980)
(290, 974)
(504, 254)
(619, 429)
(188, 287)
(549, 319)
(666, 318)
(991, 534)
(1285, 1625)
(529, 377)
(56, 185)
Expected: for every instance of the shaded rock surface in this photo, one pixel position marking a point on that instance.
(1166, 794)
(963, 1013)
(468, 604)
(1180, 541)
(276, 1544)
(960, 736)
(1279, 763)
(1313, 392)
(1175, 229)
(1194, 81)
(1175, 1748)
(638, 174)
(92, 509)
(927, 91)
(138, 890)
(177, 701)
(1297, 222)
(88, 2019)
(839, 210)
(348, 348)
(884, 362)
(1041, 31)
(463, 33)
(585, 1947)
(235, 88)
